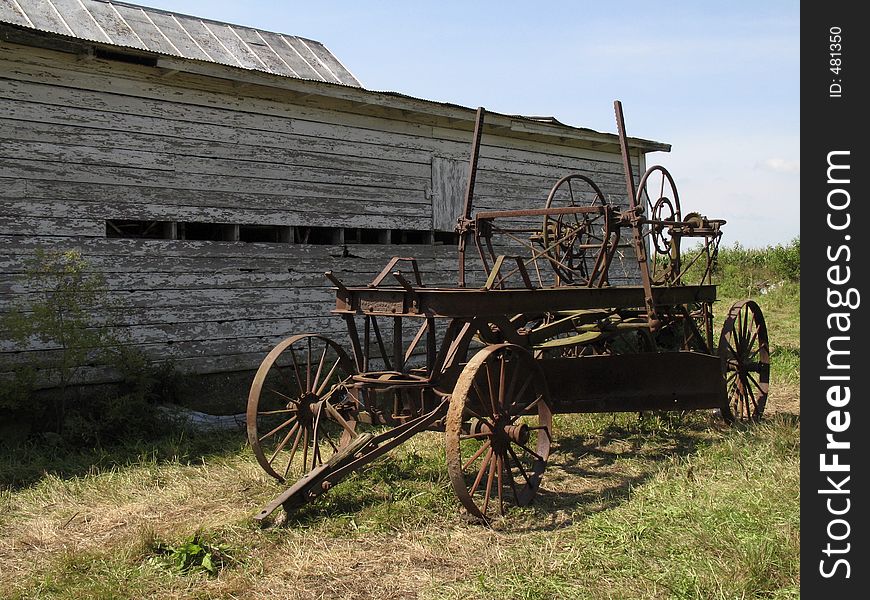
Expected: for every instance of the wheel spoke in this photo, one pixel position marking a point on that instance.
(279, 394)
(476, 455)
(489, 478)
(283, 443)
(479, 477)
(308, 368)
(328, 377)
(278, 428)
(532, 452)
(296, 368)
(293, 451)
(520, 466)
(320, 366)
(492, 391)
(500, 484)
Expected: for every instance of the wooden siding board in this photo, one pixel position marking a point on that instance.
(226, 157)
(171, 110)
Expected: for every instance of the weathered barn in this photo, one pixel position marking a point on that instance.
(213, 172)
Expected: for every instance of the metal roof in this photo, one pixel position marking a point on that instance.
(175, 34)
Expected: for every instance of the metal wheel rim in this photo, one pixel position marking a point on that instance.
(310, 421)
(745, 353)
(515, 478)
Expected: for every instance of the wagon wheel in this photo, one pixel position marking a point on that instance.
(657, 195)
(296, 403)
(498, 431)
(577, 246)
(745, 354)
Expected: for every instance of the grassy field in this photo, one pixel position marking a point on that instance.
(659, 507)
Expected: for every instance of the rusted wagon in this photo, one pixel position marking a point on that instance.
(489, 366)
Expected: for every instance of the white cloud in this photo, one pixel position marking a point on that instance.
(780, 165)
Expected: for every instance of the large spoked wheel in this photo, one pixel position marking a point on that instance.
(498, 431)
(657, 194)
(745, 354)
(578, 245)
(298, 409)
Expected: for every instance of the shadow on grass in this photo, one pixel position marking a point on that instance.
(26, 464)
(590, 461)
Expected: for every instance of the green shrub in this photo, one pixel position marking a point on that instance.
(67, 294)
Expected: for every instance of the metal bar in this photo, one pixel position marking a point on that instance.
(636, 222)
(469, 192)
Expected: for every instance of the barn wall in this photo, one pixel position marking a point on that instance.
(86, 140)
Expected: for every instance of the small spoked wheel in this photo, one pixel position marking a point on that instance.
(498, 431)
(298, 409)
(577, 244)
(657, 195)
(745, 355)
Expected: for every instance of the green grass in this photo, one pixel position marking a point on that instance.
(664, 506)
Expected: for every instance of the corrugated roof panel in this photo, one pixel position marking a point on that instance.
(14, 14)
(178, 36)
(82, 23)
(206, 40)
(240, 51)
(327, 59)
(151, 35)
(118, 30)
(310, 58)
(164, 32)
(44, 16)
(294, 60)
(255, 42)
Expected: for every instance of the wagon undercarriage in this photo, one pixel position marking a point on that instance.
(546, 333)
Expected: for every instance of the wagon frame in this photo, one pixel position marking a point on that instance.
(546, 333)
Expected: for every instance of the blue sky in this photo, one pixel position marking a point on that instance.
(718, 81)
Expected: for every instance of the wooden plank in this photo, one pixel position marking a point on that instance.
(449, 179)
(101, 209)
(321, 184)
(123, 108)
(86, 155)
(12, 188)
(92, 79)
(39, 226)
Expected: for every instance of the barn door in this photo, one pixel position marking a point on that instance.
(449, 178)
